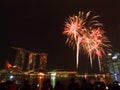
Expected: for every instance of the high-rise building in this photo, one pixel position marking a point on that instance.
(32, 61)
(113, 64)
(20, 57)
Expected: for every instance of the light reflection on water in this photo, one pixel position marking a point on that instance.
(65, 80)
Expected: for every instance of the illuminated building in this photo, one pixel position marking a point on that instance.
(19, 61)
(114, 66)
(30, 61)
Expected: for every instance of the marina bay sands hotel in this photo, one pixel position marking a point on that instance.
(29, 61)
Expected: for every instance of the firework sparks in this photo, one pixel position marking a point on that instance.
(85, 32)
(94, 43)
(100, 43)
(74, 30)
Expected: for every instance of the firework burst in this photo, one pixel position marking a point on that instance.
(74, 28)
(95, 43)
(84, 31)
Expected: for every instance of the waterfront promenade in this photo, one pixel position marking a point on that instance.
(36, 81)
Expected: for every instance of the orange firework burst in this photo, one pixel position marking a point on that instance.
(85, 32)
(74, 29)
(95, 43)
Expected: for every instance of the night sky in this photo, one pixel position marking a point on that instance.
(37, 25)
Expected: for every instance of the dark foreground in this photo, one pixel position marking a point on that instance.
(71, 84)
